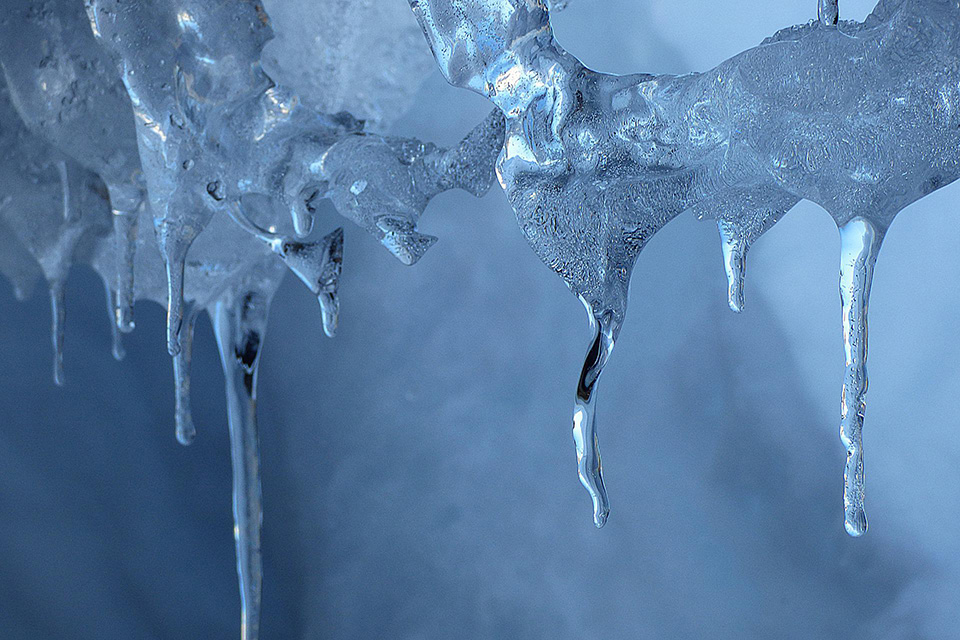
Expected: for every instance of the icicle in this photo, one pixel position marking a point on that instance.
(71, 212)
(125, 236)
(181, 372)
(829, 12)
(735, 248)
(58, 313)
(859, 244)
(239, 324)
(317, 264)
(589, 467)
(173, 249)
(119, 353)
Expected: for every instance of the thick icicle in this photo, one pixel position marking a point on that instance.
(735, 248)
(58, 313)
(589, 467)
(185, 429)
(239, 323)
(119, 353)
(829, 12)
(859, 244)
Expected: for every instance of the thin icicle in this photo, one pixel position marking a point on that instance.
(239, 324)
(735, 248)
(125, 237)
(589, 466)
(119, 353)
(828, 12)
(859, 244)
(185, 429)
(58, 314)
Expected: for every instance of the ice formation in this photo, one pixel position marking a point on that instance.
(860, 118)
(211, 171)
(146, 139)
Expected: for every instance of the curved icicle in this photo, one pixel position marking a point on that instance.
(589, 466)
(829, 12)
(58, 313)
(119, 353)
(125, 236)
(859, 244)
(735, 248)
(239, 323)
(185, 429)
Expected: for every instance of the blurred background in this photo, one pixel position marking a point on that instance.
(419, 476)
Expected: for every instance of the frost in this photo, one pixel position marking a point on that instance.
(595, 164)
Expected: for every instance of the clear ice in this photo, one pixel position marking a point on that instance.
(860, 118)
(170, 161)
(160, 142)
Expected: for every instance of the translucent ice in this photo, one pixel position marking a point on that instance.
(65, 89)
(37, 236)
(860, 118)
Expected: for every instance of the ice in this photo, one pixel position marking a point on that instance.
(858, 118)
(240, 322)
(65, 89)
(37, 232)
(383, 184)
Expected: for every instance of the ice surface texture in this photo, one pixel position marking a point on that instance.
(860, 118)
